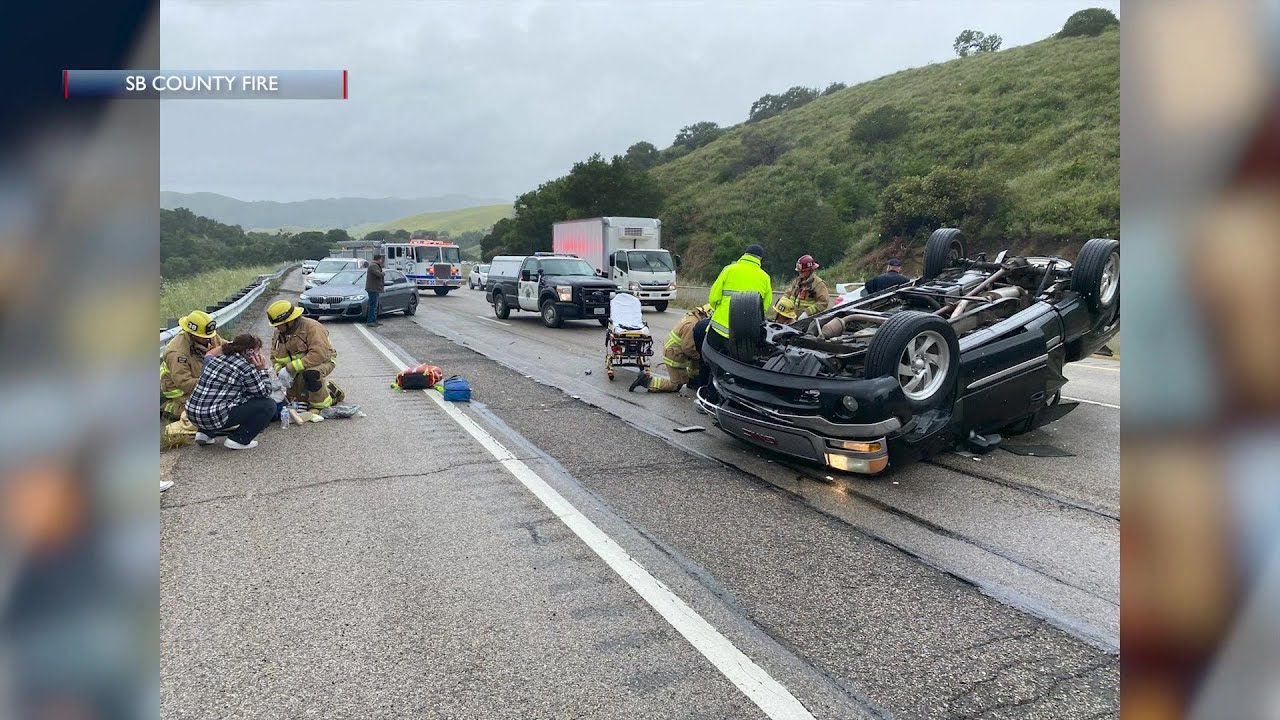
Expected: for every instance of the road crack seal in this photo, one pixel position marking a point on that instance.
(322, 483)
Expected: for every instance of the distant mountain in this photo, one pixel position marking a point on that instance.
(323, 214)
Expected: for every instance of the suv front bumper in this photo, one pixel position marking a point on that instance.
(857, 448)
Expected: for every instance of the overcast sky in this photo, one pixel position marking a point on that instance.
(492, 98)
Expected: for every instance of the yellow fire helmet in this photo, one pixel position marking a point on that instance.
(785, 307)
(198, 323)
(705, 310)
(281, 312)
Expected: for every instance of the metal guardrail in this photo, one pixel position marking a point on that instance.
(231, 313)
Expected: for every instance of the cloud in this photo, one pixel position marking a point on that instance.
(492, 98)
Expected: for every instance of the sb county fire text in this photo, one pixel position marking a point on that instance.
(242, 84)
(203, 83)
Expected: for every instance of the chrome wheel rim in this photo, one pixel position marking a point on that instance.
(1110, 279)
(923, 365)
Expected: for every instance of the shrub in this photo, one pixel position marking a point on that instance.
(883, 124)
(728, 247)
(1088, 23)
(944, 197)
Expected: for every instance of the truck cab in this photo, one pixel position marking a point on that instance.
(650, 275)
(557, 286)
(431, 264)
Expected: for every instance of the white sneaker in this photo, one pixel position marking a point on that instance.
(165, 485)
(232, 444)
(203, 439)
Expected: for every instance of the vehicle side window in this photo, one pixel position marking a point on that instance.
(531, 265)
(394, 277)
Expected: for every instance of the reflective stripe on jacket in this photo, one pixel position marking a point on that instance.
(680, 351)
(812, 296)
(743, 276)
(306, 346)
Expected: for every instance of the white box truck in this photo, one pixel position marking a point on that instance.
(626, 250)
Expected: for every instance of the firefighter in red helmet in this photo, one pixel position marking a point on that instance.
(806, 295)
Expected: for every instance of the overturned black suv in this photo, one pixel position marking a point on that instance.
(970, 348)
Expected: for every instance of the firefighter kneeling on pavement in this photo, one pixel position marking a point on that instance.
(183, 360)
(680, 354)
(303, 356)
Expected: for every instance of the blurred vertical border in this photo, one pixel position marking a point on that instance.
(1200, 471)
(79, 233)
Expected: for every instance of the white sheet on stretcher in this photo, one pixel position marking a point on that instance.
(624, 314)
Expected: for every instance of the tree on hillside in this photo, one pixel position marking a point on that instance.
(770, 105)
(1088, 23)
(596, 188)
(973, 42)
(401, 234)
(377, 236)
(337, 237)
(698, 134)
(834, 87)
(643, 155)
(492, 243)
(804, 226)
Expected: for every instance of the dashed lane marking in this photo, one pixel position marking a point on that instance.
(767, 693)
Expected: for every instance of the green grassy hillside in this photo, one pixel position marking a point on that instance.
(454, 222)
(1037, 127)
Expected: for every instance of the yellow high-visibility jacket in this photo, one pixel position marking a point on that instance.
(743, 276)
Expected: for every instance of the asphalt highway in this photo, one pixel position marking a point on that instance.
(555, 549)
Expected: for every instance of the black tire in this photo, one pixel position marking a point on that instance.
(604, 322)
(412, 307)
(746, 326)
(660, 306)
(1096, 274)
(442, 291)
(897, 340)
(945, 246)
(551, 314)
(500, 309)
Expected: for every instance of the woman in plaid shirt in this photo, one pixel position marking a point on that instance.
(234, 389)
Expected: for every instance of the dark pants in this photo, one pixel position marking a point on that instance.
(373, 307)
(704, 368)
(253, 416)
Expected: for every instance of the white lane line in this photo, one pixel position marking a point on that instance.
(1097, 367)
(1091, 402)
(496, 322)
(768, 694)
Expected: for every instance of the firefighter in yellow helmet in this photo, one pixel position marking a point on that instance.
(183, 359)
(680, 354)
(301, 347)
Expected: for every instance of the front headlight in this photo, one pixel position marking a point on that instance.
(633, 287)
(358, 298)
(304, 297)
(671, 286)
(565, 293)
